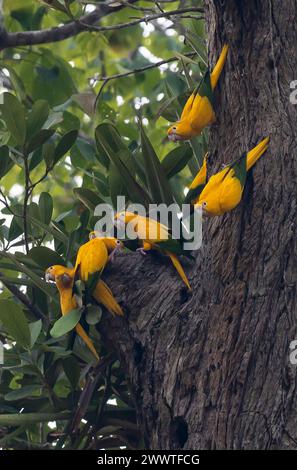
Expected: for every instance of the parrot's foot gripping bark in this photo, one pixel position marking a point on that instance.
(142, 251)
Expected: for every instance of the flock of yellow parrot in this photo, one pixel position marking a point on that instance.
(220, 194)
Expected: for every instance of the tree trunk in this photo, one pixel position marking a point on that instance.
(211, 370)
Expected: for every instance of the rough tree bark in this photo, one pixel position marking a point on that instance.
(212, 370)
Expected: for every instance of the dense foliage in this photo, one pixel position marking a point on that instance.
(69, 139)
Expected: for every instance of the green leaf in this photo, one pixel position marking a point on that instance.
(37, 117)
(51, 229)
(156, 178)
(13, 114)
(6, 162)
(110, 144)
(52, 79)
(66, 323)
(15, 229)
(56, 5)
(88, 198)
(116, 183)
(176, 160)
(35, 159)
(45, 207)
(15, 322)
(23, 16)
(93, 315)
(39, 139)
(18, 419)
(35, 329)
(72, 370)
(26, 391)
(65, 144)
(42, 285)
(48, 153)
(45, 257)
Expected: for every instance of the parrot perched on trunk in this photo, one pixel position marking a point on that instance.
(94, 255)
(91, 259)
(198, 111)
(223, 191)
(64, 279)
(153, 235)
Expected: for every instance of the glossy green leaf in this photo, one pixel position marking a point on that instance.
(46, 288)
(109, 143)
(15, 322)
(176, 160)
(93, 314)
(20, 393)
(35, 330)
(66, 323)
(45, 257)
(46, 206)
(37, 117)
(13, 113)
(65, 144)
(39, 139)
(156, 178)
(88, 198)
(72, 370)
(6, 162)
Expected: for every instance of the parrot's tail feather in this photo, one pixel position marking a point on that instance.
(179, 268)
(103, 295)
(200, 178)
(254, 154)
(215, 74)
(81, 332)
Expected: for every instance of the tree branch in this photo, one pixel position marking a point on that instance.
(59, 33)
(86, 23)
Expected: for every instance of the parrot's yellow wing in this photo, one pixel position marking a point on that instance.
(91, 258)
(151, 230)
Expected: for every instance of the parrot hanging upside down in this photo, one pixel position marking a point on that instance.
(198, 111)
(223, 192)
(154, 236)
(64, 279)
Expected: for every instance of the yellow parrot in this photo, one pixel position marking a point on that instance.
(223, 192)
(94, 255)
(198, 111)
(64, 279)
(197, 184)
(154, 235)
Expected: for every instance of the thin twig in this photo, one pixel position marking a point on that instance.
(105, 80)
(145, 19)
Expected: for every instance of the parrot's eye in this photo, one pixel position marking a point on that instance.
(118, 242)
(174, 128)
(204, 204)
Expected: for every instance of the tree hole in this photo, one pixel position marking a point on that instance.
(179, 431)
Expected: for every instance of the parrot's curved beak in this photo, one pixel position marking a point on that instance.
(174, 137)
(49, 277)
